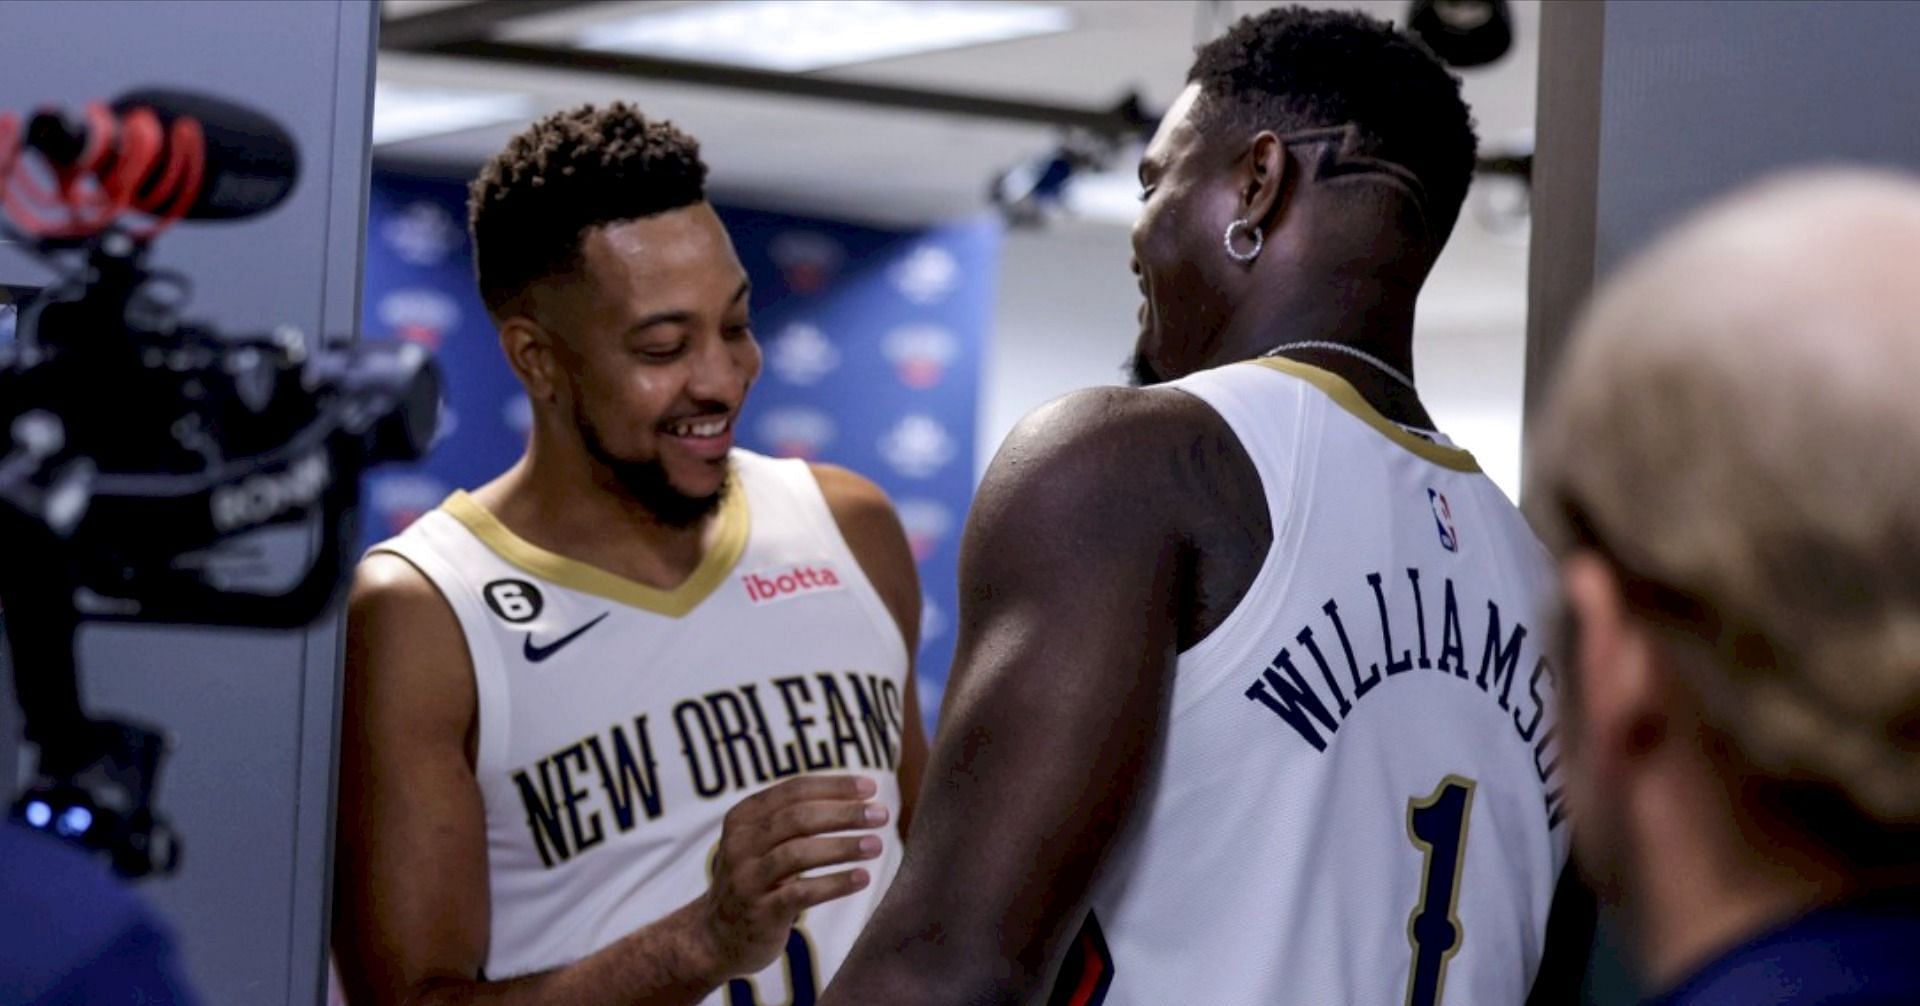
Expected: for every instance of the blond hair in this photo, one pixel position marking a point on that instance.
(1737, 420)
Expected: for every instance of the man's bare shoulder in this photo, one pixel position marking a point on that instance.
(404, 641)
(1128, 443)
(851, 496)
(384, 583)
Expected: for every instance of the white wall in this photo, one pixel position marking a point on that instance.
(1066, 319)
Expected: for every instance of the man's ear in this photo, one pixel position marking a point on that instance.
(1263, 178)
(532, 353)
(1619, 679)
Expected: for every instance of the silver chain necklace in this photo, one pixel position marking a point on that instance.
(1361, 355)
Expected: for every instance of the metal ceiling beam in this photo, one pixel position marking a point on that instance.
(463, 22)
(442, 33)
(1120, 121)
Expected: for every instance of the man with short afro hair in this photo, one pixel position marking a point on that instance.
(586, 758)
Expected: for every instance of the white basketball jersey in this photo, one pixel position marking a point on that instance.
(619, 723)
(1356, 800)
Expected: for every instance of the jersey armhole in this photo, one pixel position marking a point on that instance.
(806, 485)
(492, 698)
(1281, 478)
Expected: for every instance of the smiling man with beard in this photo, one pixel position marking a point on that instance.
(634, 721)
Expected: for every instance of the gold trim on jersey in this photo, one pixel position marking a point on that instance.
(729, 542)
(1344, 395)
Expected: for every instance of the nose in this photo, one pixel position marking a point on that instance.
(716, 375)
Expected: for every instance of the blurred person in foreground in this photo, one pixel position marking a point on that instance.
(1729, 473)
(72, 934)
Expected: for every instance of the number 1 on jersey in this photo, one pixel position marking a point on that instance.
(802, 987)
(1438, 827)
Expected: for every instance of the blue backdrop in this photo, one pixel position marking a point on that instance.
(872, 341)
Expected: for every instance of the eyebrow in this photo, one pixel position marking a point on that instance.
(682, 317)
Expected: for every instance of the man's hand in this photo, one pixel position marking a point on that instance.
(767, 842)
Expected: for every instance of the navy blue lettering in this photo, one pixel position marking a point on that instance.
(731, 717)
(890, 694)
(1306, 639)
(627, 774)
(543, 815)
(780, 769)
(1546, 769)
(1502, 660)
(867, 699)
(1420, 615)
(814, 757)
(1405, 663)
(1540, 667)
(583, 839)
(1453, 650)
(840, 721)
(1360, 687)
(1556, 807)
(1289, 700)
(687, 747)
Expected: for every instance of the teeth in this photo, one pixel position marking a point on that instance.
(710, 428)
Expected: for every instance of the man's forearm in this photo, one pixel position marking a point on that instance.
(668, 963)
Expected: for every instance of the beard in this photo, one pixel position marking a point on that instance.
(1140, 372)
(647, 482)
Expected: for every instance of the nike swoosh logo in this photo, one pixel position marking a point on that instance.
(536, 654)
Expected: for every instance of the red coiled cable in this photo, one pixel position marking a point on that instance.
(93, 201)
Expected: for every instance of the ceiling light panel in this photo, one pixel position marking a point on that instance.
(796, 36)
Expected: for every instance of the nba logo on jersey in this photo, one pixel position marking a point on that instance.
(1443, 519)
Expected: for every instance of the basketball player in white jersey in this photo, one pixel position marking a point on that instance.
(634, 722)
(1250, 705)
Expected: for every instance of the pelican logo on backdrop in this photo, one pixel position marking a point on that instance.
(927, 522)
(797, 432)
(918, 446)
(927, 275)
(419, 315)
(920, 354)
(399, 498)
(801, 354)
(421, 234)
(808, 260)
(518, 414)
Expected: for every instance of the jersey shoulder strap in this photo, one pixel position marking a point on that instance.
(1270, 415)
(459, 565)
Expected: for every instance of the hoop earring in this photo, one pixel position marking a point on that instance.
(1259, 241)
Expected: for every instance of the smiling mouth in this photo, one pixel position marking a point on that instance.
(702, 427)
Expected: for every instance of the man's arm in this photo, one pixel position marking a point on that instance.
(1071, 576)
(411, 920)
(868, 522)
